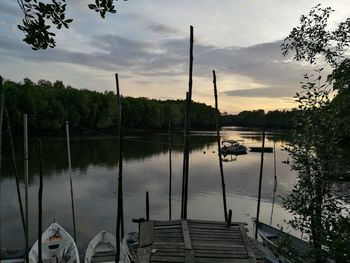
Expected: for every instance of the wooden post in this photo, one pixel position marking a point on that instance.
(187, 133)
(1, 120)
(120, 213)
(15, 170)
(260, 182)
(40, 201)
(229, 218)
(147, 206)
(170, 170)
(219, 146)
(26, 181)
(70, 179)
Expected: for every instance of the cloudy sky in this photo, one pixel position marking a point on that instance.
(147, 42)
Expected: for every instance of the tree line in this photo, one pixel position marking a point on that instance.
(256, 118)
(49, 105)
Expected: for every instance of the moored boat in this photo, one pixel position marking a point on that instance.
(57, 246)
(234, 147)
(272, 235)
(102, 248)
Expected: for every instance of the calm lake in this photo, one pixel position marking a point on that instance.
(146, 168)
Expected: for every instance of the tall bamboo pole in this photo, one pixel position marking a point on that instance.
(40, 201)
(120, 213)
(187, 132)
(26, 182)
(70, 179)
(260, 182)
(15, 169)
(170, 169)
(217, 116)
(1, 120)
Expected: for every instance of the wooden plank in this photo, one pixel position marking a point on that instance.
(155, 258)
(143, 255)
(219, 260)
(186, 235)
(215, 222)
(189, 256)
(249, 249)
(146, 234)
(167, 223)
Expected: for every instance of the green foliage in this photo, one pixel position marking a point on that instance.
(49, 105)
(314, 153)
(39, 17)
(315, 146)
(313, 38)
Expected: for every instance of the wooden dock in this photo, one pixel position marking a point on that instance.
(195, 241)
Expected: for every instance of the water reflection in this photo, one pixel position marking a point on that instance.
(95, 160)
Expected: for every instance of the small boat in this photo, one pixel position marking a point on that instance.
(57, 246)
(297, 247)
(102, 248)
(234, 147)
(271, 235)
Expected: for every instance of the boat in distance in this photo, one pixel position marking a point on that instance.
(234, 147)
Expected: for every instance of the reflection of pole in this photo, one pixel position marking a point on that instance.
(219, 147)
(15, 169)
(1, 118)
(260, 181)
(147, 206)
(26, 179)
(170, 172)
(40, 197)
(70, 179)
(187, 134)
(274, 180)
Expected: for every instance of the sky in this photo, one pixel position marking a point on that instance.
(147, 43)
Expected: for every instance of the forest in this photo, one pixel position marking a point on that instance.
(49, 105)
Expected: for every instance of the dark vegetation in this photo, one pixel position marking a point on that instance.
(273, 119)
(49, 105)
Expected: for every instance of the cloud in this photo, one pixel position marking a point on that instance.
(262, 64)
(162, 29)
(267, 92)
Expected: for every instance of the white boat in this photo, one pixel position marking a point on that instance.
(234, 147)
(102, 248)
(57, 246)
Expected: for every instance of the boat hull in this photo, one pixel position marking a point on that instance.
(57, 245)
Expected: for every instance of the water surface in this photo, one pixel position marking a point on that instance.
(146, 168)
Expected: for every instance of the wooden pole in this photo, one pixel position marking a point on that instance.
(147, 206)
(40, 201)
(170, 170)
(26, 182)
(260, 181)
(70, 179)
(187, 132)
(15, 170)
(184, 169)
(120, 213)
(219, 146)
(1, 120)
